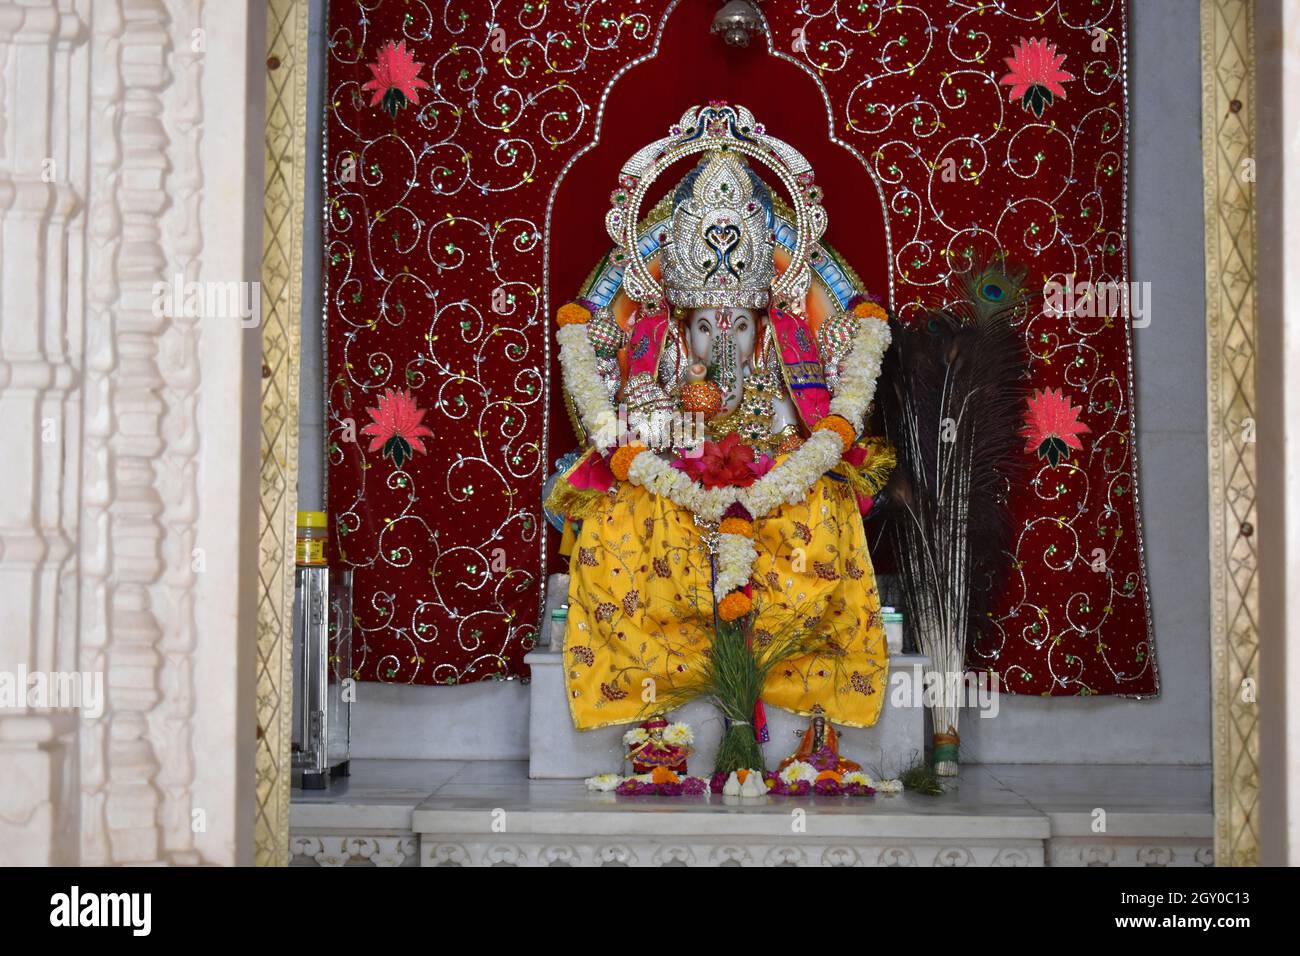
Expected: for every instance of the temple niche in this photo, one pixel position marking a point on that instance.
(753, 275)
(722, 524)
(661, 432)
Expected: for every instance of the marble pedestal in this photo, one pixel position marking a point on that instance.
(558, 751)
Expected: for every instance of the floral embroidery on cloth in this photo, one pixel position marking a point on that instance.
(802, 574)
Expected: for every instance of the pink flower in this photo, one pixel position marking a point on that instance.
(737, 510)
(1036, 75)
(396, 427)
(824, 759)
(693, 786)
(396, 78)
(1052, 425)
(726, 464)
(592, 474)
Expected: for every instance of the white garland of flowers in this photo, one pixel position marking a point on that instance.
(736, 557)
(861, 370)
(787, 483)
(578, 365)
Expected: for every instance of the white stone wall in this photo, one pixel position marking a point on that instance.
(124, 160)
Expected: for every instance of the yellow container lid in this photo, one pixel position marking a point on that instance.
(312, 519)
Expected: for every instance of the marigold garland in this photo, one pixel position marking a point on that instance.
(737, 526)
(792, 477)
(788, 482)
(871, 310)
(572, 314)
(734, 606)
(840, 426)
(622, 459)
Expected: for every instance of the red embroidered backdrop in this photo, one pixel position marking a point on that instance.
(458, 225)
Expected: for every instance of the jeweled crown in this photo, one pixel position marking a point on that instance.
(718, 251)
(710, 233)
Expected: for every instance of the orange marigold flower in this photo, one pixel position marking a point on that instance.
(734, 606)
(621, 460)
(871, 310)
(663, 775)
(741, 775)
(839, 426)
(572, 314)
(737, 526)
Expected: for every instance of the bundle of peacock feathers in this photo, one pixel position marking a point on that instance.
(952, 399)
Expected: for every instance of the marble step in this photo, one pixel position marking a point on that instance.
(485, 812)
(558, 751)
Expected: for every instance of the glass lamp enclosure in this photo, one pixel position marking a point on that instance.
(322, 671)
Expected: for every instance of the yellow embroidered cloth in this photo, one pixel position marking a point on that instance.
(641, 608)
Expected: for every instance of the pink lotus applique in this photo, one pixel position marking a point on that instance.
(1036, 75)
(1052, 425)
(396, 427)
(396, 78)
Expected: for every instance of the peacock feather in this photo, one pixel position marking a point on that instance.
(951, 398)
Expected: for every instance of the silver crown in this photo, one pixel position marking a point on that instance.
(700, 240)
(718, 251)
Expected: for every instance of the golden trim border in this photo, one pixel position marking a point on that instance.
(1228, 102)
(284, 196)
(1229, 136)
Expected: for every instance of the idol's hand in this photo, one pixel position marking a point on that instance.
(783, 413)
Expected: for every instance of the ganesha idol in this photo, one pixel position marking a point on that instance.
(720, 305)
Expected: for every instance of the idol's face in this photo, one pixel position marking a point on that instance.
(708, 327)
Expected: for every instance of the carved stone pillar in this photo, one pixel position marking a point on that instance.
(40, 205)
(112, 563)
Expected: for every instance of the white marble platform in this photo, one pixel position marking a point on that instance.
(558, 751)
(400, 813)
